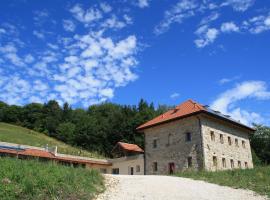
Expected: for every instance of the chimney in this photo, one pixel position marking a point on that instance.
(55, 151)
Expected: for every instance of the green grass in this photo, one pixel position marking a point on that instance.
(257, 179)
(30, 179)
(16, 134)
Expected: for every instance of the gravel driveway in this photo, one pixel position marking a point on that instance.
(124, 187)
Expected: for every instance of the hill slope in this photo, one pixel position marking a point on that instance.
(16, 134)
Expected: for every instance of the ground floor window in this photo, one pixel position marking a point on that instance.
(232, 164)
(189, 161)
(215, 161)
(223, 162)
(115, 171)
(246, 165)
(239, 164)
(103, 170)
(155, 166)
(138, 168)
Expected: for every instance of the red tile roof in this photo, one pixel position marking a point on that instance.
(130, 147)
(49, 155)
(186, 109)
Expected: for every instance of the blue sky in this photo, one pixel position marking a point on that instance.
(166, 51)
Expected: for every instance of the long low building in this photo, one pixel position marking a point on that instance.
(128, 158)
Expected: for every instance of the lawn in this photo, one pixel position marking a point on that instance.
(30, 179)
(257, 179)
(20, 135)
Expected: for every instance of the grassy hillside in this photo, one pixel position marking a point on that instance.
(20, 135)
(257, 179)
(21, 179)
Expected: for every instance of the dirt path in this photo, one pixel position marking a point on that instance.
(123, 187)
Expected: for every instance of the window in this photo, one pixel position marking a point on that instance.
(155, 167)
(229, 140)
(170, 140)
(243, 144)
(221, 138)
(188, 137)
(103, 170)
(212, 135)
(189, 161)
(115, 171)
(223, 162)
(154, 143)
(246, 165)
(232, 164)
(236, 142)
(215, 161)
(138, 168)
(239, 164)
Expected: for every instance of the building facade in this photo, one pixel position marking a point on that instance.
(193, 137)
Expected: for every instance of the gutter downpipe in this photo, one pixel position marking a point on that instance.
(202, 143)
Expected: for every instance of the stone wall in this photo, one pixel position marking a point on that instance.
(174, 148)
(214, 148)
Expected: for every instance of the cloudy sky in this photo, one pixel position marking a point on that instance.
(165, 51)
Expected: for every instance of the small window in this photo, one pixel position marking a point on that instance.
(215, 161)
(115, 171)
(155, 166)
(138, 168)
(221, 138)
(236, 142)
(229, 140)
(154, 143)
(239, 164)
(243, 144)
(170, 140)
(246, 165)
(189, 161)
(103, 170)
(223, 162)
(188, 137)
(212, 135)
(232, 164)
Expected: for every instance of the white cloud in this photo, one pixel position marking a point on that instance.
(257, 24)
(142, 3)
(212, 17)
(227, 101)
(182, 10)
(69, 25)
(38, 34)
(206, 36)
(239, 5)
(105, 7)
(174, 95)
(227, 80)
(29, 58)
(228, 27)
(86, 16)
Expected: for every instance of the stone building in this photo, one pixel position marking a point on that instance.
(194, 137)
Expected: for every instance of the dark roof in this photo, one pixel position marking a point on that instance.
(129, 147)
(186, 109)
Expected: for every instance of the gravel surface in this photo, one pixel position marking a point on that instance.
(124, 187)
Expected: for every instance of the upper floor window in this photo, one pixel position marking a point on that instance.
(212, 134)
(221, 138)
(188, 137)
(170, 140)
(155, 143)
(229, 140)
(236, 142)
(243, 144)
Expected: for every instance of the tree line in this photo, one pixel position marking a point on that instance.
(101, 126)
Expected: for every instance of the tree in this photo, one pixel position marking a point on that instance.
(260, 142)
(65, 132)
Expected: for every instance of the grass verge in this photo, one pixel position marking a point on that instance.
(30, 179)
(257, 179)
